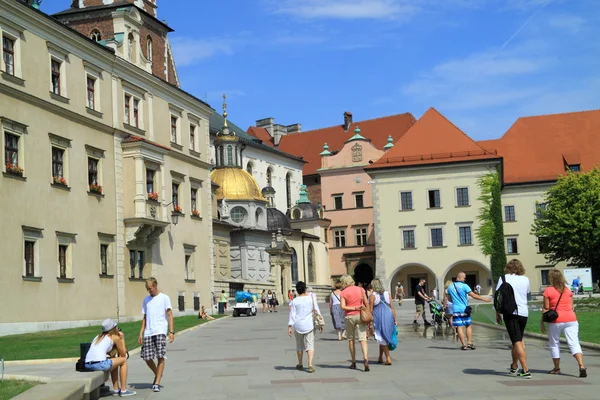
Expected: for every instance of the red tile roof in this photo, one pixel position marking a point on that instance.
(135, 138)
(433, 139)
(539, 148)
(309, 144)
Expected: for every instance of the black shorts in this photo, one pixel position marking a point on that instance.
(515, 326)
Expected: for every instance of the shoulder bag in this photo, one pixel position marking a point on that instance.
(468, 309)
(318, 320)
(552, 315)
(366, 317)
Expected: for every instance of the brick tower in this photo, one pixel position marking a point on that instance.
(130, 27)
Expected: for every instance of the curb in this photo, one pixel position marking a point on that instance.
(74, 359)
(28, 378)
(586, 345)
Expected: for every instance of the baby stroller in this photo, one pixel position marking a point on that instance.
(438, 316)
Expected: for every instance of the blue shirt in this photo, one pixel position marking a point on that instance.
(576, 283)
(459, 293)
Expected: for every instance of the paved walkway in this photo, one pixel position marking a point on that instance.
(253, 358)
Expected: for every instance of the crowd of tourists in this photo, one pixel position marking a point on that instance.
(358, 310)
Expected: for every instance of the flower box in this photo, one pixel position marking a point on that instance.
(195, 213)
(177, 209)
(59, 181)
(95, 189)
(14, 169)
(153, 196)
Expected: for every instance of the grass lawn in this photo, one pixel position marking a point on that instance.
(588, 321)
(10, 389)
(65, 343)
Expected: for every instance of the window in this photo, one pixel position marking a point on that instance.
(92, 171)
(55, 66)
(91, 93)
(193, 137)
(574, 167)
(269, 177)
(543, 244)
(29, 258)
(406, 202)
(175, 195)
(249, 168)
(193, 199)
(238, 215)
(408, 237)
(464, 235)
(57, 163)
(104, 259)
(509, 213)
(187, 266)
(11, 150)
(434, 198)
(339, 236)
(310, 255)
(62, 261)
(539, 210)
(173, 129)
(136, 262)
(545, 277)
(150, 180)
(462, 197)
(136, 113)
(437, 237)
(361, 236)
(337, 202)
(130, 43)
(288, 190)
(8, 55)
(359, 200)
(230, 155)
(149, 48)
(128, 109)
(511, 246)
(95, 35)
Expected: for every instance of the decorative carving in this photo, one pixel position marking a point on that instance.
(153, 211)
(357, 153)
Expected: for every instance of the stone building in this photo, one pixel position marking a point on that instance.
(105, 176)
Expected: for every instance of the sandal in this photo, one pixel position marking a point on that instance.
(555, 371)
(353, 365)
(389, 362)
(299, 367)
(582, 372)
(380, 361)
(471, 346)
(367, 369)
(464, 348)
(310, 370)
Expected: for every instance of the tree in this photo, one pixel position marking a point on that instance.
(569, 225)
(490, 233)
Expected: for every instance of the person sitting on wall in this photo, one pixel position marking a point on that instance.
(204, 315)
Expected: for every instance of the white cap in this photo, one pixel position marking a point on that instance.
(108, 325)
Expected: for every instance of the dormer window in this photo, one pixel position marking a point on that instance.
(574, 167)
(95, 35)
(149, 48)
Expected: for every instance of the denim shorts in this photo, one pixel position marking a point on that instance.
(101, 366)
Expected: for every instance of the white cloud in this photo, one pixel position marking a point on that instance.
(188, 51)
(343, 9)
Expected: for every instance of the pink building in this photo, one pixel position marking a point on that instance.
(347, 200)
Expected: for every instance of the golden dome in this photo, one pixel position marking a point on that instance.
(235, 184)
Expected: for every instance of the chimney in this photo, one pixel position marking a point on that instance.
(266, 123)
(294, 128)
(278, 132)
(347, 120)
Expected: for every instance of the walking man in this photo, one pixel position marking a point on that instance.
(156, 323)
(461, 316)
(420, 298)
(399, 292)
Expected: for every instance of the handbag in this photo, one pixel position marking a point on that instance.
(366, 317)
(552, 315)
(392, 346)
(318, 320)
(468, 309)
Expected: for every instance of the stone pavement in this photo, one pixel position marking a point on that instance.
(253, 358)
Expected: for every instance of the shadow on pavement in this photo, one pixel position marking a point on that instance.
(141, 385)
(332, 366)
(476, 371)
(443, 348)
(282, 368)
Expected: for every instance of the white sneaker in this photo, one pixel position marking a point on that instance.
(155, 388)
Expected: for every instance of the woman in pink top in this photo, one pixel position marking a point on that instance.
(566, 321)
(353, 299)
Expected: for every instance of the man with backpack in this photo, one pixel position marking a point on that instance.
(510, 302)
(459, 292)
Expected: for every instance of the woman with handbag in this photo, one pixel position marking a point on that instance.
(305, 317)
(558, 313)
(384, 321)
(356, 318)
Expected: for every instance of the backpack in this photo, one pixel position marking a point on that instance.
(504, 298)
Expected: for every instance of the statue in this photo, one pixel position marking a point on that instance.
(224, 209)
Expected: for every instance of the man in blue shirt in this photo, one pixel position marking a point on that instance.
(576, 285)
(459, 292)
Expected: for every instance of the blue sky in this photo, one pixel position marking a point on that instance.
(481, 63)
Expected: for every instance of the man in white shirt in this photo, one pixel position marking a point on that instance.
(156, 323)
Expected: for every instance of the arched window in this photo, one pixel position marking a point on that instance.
(259, 214)
(269, 177)
(221, 158)
(297, 214)
(229, 155)
(95, 35)
(130, 42)
(249, 168)
(288, 189)
(294, 266)
(149, 47)
(236, 157)
(310, 261)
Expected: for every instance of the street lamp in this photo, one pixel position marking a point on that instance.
(174, 215)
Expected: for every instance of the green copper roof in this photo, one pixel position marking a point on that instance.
(325, 151)
(390, 143)
(357, 135)
(303, 196)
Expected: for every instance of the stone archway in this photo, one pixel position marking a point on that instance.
(363, 273)
(476, 273)
(409, 275)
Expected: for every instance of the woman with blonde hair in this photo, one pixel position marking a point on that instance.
(384, 320)
(337, 314)
(97, 359)
(558, 297)
(354, 299)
